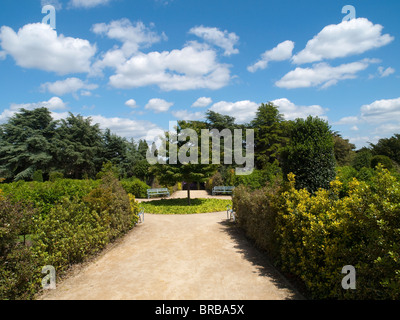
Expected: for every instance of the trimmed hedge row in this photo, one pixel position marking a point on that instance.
(313, 236)
(76, 225)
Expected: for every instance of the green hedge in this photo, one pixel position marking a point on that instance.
(136, 187)
(313, 236)
(76, 225)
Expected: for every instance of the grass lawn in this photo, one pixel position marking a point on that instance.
(180, 206)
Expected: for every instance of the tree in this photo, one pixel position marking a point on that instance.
(388, 147)
(310, 154)
(79, 147)
(169, 173)
(344, 150)
(27, 144)
(269, 138)
(362, 159)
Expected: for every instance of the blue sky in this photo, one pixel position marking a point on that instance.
(133, 66)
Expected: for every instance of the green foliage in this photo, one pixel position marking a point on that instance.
(344, 150)
(388, 147)
(54, 175)
(17, 262)
(269, 137)
(310, 154)
(67, 222)
(316, 235)
(38, 176)
(135, 187)
(362, 159)
(179, 206)
(256, 214)
(141, 170)
(383, 160)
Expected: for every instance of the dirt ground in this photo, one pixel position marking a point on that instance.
(177, 257)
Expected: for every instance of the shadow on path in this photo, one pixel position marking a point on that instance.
(259, 259)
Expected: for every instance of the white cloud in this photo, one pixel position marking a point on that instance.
(88, 3)
(385, 110)
(354, 128)
(242, 111)
(322, 74)
(131, 103)
(222, 39)
(158, 105)
(3, 55)
(38, 46)
(133, 36)
(348, 38)
(69, 85)
(385, 72)
(55, 3)
(185, 115)
(52, 104)
(124, 127)
(193, 67)
(281, 52)
(291, 111)
(348, 120)
(202, 102)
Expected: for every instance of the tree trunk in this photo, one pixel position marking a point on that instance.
(188, 193)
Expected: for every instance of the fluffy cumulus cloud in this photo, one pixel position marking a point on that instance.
(193, 67)
(242, 111)
(214, 36)
(291, 111)
(136, 129)
(40, 47)
(322, 75)
(281, 52)
(132, 35)
(131, 103)
(348, 38)
(202, 102)
(385, 110)
(69, 85)
(158, 105)
(88, 3)
(53, 104)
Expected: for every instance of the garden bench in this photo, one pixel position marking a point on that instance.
(222, 189)
(230, 214)
(156, 192)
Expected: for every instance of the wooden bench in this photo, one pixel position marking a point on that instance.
(222, 189)
(157, 192)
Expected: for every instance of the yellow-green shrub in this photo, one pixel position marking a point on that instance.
(319, 234)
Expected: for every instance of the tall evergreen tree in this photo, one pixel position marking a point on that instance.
(269, 135)
(79, 147)
(27, 143)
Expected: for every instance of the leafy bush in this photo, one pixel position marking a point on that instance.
(320, 234)
(135, 187)
(17, 262)
(310, 154)
(54, 175)
(313, 236)
(67, 221)
(383, 160)
(256, 214)
(362, 159)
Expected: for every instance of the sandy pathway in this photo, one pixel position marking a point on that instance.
(183, 257)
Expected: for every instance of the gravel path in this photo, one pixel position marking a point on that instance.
(182, 257)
